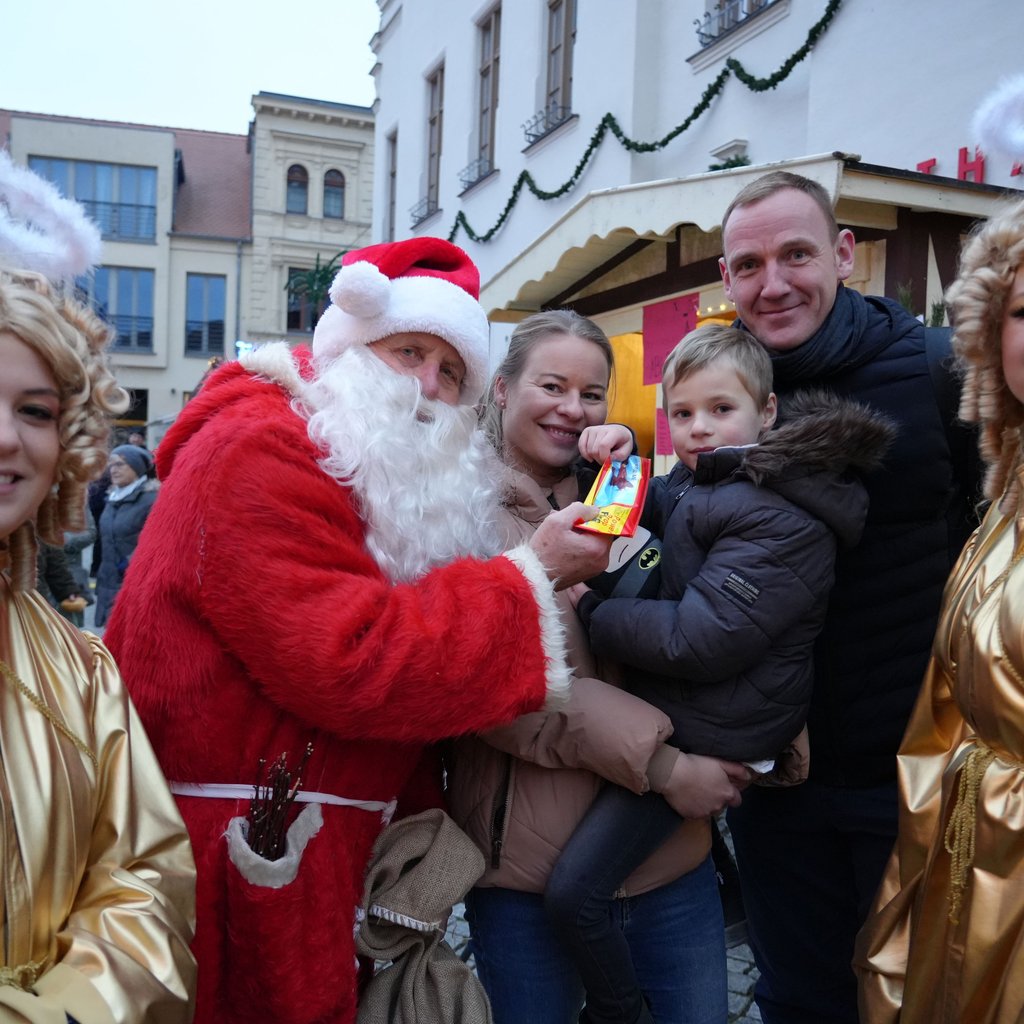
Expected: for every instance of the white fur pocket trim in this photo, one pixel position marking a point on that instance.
(273, 874)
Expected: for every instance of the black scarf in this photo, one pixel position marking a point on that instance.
(856, 329)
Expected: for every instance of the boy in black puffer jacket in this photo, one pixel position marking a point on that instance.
(750, 519)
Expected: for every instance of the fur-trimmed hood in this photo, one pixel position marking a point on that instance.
(813, 457)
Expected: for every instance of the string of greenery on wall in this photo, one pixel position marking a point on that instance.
(609, 124)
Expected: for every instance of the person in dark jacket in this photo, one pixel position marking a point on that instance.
(750, 520)
(811, 857)
(128, 504)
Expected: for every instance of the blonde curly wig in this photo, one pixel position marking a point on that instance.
(977, 302)
(72, 341)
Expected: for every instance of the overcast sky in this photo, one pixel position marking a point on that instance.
(183, 64)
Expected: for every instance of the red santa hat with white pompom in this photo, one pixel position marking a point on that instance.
(421, 285)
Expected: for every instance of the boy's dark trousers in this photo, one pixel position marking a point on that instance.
(619, 832)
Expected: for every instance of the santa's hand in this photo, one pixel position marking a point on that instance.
(607, 441)
(570, 556)
(699, 786)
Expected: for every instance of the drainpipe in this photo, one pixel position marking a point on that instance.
(238, 291)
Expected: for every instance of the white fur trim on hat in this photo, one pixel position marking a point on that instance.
(275, 362)
(368, 307)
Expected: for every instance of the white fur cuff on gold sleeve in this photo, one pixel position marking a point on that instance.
(552, 632)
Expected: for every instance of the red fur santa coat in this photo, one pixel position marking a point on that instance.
(254, 621)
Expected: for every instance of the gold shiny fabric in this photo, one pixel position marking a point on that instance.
(97, 873)
(945, 942)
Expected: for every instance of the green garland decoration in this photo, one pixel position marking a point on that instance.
(609, 124)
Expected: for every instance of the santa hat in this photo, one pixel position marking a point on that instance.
(422, 285)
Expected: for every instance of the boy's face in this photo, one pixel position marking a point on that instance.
(712, 409)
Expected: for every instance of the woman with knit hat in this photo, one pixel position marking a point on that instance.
(129, 500)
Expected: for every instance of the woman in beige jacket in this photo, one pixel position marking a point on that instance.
(520, 791)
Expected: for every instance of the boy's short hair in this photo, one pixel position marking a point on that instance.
(706, 345)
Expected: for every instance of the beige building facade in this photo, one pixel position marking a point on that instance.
(324, 210)
(204, 230)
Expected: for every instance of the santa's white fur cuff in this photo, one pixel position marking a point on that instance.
(552, 633)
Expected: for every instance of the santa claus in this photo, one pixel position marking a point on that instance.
(320, 573)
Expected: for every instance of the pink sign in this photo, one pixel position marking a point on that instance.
(665, 323)
(662, 435)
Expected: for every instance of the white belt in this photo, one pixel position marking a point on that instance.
(233, 791)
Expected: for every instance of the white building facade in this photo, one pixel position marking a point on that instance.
(873, 98)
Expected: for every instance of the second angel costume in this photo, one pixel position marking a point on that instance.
(946, 940)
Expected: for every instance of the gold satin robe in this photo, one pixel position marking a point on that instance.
(97, 872)
(916, 966)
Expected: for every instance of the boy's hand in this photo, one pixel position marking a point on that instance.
(608, 441)
(699, 786)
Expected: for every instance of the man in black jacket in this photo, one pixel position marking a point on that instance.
(811, 857)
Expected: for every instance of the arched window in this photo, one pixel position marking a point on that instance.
(334, 195)
(298, 189)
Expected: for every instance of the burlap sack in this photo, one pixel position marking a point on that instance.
(421, 866)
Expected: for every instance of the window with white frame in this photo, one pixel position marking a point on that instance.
(334, 195)
(435, 125)
(392, 185)
(490, 50)
(120, 198)
(123, 296)
(297, 190)
(204, 314)
(561, 39)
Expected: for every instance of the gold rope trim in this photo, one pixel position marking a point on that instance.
(23, 977)
(47, 713)
(961, 832)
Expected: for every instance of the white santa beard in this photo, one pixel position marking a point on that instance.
(426, 479)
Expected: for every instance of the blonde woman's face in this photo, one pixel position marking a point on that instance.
(29, 441)
(1013, 337)
(562, 389)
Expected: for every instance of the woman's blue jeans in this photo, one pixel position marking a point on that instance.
(675, 935)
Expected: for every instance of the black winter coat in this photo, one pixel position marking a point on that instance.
(748, 556)
(872, 652)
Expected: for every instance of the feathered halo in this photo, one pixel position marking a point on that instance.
(40, 230)
(998, 123)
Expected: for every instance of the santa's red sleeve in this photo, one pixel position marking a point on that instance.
(270, 553)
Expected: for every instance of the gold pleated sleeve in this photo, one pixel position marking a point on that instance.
(945, 942)
(99, 881)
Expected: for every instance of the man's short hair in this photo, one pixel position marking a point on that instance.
(775, 181)
(712, 342)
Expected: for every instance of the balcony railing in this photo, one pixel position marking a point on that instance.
(123, 221)
(727, 15)
(204, 337)
(425, 208)
(544, 122)
(134, 333)
(474, 172)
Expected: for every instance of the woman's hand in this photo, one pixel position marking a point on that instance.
(607, 441)
(699, 786)
(575, 592)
